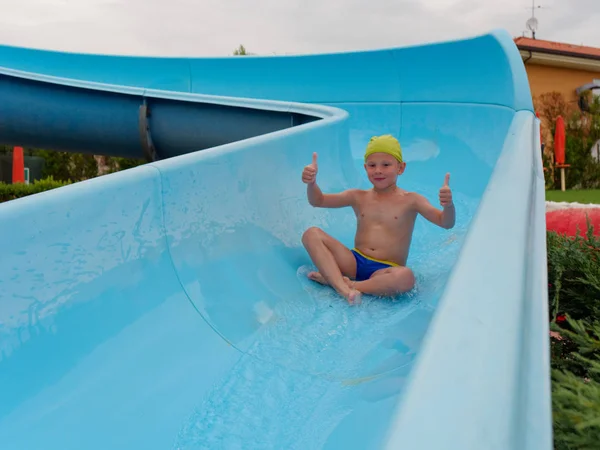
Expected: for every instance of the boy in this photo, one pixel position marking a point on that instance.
(385, 216)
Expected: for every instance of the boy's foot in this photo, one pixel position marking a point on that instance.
(354, 297)
(316, 276)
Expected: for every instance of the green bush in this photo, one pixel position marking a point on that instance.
(574, 274)
(574, 296)
(576, 396)
(12, 191)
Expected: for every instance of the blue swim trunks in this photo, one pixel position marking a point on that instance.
(365, 265)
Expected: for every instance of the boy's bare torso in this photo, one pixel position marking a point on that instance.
(385, 223)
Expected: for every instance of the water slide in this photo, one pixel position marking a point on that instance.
(167, 306)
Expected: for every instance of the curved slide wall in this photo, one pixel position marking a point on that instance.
(167, 306)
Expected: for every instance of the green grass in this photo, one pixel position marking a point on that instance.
(579, 196)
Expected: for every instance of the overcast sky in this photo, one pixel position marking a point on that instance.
(217, 27)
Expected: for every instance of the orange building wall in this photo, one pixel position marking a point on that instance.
(544, 79)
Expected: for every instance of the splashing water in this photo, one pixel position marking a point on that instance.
(316, 359)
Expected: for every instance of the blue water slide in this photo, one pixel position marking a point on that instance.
(167, 306)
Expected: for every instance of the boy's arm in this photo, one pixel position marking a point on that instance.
(444, 218)
(316, 197)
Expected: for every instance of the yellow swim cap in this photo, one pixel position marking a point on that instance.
(384, 144)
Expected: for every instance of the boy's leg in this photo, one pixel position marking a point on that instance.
(333, 260)
(384, 282)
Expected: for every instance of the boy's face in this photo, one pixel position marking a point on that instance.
(383, 169)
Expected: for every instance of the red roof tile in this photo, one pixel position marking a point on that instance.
(582, 51)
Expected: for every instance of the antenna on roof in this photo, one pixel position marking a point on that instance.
(532, 25)
(532, 22)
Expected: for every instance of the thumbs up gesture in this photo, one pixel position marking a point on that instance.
(445, 192)
(309, 174)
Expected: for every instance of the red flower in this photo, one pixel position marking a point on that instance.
(561, 318)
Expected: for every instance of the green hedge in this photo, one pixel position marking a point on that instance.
(574, 296)
(12, 191)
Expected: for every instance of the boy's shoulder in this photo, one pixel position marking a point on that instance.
(414, 197)
(355, 191)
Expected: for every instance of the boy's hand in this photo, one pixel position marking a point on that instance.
(309, 174)
(446, 193)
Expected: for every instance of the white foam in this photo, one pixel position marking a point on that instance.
(263, 312)
(553, 206)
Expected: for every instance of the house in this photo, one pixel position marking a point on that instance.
(569, 69)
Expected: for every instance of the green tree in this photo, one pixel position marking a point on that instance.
(115, 164)
(70, 166)
(64, 166)
(582, 129)
(582, 132)
(240, 51)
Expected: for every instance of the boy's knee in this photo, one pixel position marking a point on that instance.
(404, 278)
(311, 233)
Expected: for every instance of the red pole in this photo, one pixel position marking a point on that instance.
(559, 141)
(18, 174)
(559, 150)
